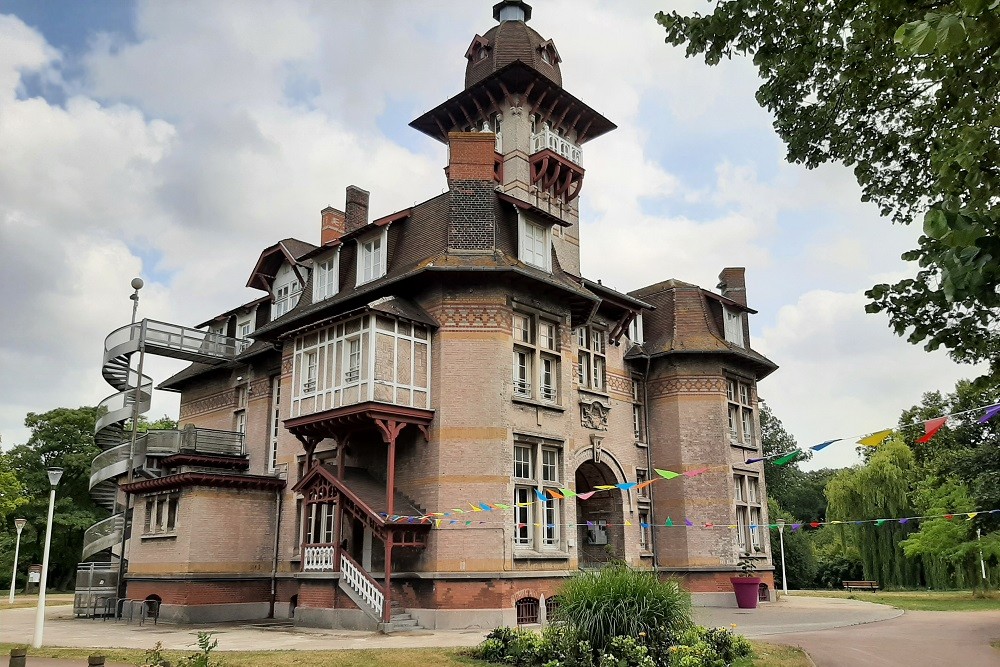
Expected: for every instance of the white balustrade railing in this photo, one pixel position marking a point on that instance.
(561, 145)
(360, 583)
(318, 557)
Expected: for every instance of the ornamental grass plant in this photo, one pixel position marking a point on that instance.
(618, 601)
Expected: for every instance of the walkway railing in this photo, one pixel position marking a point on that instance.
(318, 557)
(564, 147)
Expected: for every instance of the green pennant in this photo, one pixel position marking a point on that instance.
(880, 522)
(787, 458)
(666, 474)
(567, 493)
(668, 522)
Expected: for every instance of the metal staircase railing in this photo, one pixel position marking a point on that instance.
(132, 388)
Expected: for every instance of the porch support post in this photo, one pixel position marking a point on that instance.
(390, 431)
(338, 528)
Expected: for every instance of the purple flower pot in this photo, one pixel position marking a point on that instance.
(747, 591)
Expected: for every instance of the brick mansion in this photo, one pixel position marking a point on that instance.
(449, 356)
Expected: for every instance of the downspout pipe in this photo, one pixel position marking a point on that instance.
(649, 458)
(274, 560)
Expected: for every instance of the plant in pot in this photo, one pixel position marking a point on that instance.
(747, 584)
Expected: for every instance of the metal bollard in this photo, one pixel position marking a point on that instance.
(18, 656)
(95, 661)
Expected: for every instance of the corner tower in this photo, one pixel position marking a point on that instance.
(513, 89)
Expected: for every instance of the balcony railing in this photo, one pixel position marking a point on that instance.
(318, 557)
(560, 145)
(103, 535)
(191, 439)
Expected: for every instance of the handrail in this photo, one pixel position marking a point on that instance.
(318, 556)
(546, 138)
(362, 583)
(103, 535)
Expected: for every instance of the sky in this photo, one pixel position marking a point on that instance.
(176, 140)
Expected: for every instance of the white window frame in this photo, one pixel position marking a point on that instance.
(535, 472)
(528, 250)
(275, 425)
(733, 320)
(245, 325)
(749, 512)
(310, 372)
(740, 413)
(352, 360)
(326, 277)
(592, 360)
(285, 290)
(372, 261)
(635, 329)
(644, 541)
(536, 369)
(161, 514)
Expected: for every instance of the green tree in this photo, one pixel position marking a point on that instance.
(800, 556)
(800, 493)
(878, 490)
(11, 490)
(63, 437)
(908, 95)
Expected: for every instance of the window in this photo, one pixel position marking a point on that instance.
(536, 359)
(642, 475)
(591, 360)
(371, 258)
(352, 362)
(161, 515)
(286, 290)
(309, 362)
(527, 611)
(320, 523)
(644, 531)
(635, 329)
(498, 130)
(734, 326)
(272, 449)
(244, 327)
(533, 247)
(537, 470)
(749, 534)
(739, 396)
(240, 415)
(638, 411)
(326, 278)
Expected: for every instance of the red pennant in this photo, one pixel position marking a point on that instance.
(814, 524)
(932, 426)
(709, 525)
(949, 516)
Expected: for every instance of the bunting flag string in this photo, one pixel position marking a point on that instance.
(709, 525)
(931, 427)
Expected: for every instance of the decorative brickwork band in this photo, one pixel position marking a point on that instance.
(686, 385)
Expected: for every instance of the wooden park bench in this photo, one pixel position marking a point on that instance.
(861, 585)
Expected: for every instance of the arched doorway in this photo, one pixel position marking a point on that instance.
(600, 532)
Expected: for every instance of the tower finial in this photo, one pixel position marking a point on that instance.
(512, 10)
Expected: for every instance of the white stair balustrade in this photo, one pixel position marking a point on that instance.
(359, 582)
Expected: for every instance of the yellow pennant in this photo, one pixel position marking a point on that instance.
(875, 439)
(605, 487)
(972, 515)
(627, 522)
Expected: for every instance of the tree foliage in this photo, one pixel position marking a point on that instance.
(908, 95)
(798, 492)
(11, 490)
(63, 437)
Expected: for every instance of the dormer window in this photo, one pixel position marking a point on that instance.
(533, 243)
(733, 326)
(635, 329)
(546, 56)
(371, 257)
(483, 53)
(326, 280)
(286, 290)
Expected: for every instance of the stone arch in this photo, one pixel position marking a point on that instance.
(600, 518)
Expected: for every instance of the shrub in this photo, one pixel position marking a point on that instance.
(708, 647)
(512, 646)
(620, 601)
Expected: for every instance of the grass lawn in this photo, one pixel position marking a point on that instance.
(22, 601)
(769, 655)
(918, 600)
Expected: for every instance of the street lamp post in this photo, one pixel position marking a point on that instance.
(781, 539)
(54, 475)
(19, 525)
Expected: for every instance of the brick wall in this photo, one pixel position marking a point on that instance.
(201, 592)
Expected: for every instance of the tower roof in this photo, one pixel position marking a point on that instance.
(511, 41)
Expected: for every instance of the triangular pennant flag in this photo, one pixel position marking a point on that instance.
(972, 515)
(753, 526)
(501, 506)
(437, 523)
(446, 514)
(823, 445)
(457, 511)
(949, 517)
(834, 523)
(590, 524)
(550, 525)
(879, 522)
(522, 525)
(453, 521)
(475, 508)
(749, 461)
(796, 526)
(585, 496)
(687, 522)
(643, 525)
(814, 524)
(625, 486)
(554, 493)
(695, 473)
(787, 458)
(567, 493)
(932, 426)
(990, 413)
(668, 522)
(540, 495)
(875, 439)
(468, 523)
(645, 484)
(732, 525)
(666, 474)
(538, 525)
(485, 507)
(627, 522)
(605, 487)
(904, 521)
(709, 525)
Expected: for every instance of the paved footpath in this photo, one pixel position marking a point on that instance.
(915, 639)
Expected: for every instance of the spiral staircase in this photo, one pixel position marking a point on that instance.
(103, 540)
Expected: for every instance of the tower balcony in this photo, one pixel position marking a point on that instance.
(547, 139)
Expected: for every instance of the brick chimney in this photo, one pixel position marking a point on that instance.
(471, 203)
(332, 225)
(732, 284)
(356, 215)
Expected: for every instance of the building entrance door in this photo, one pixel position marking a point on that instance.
(600, 532)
